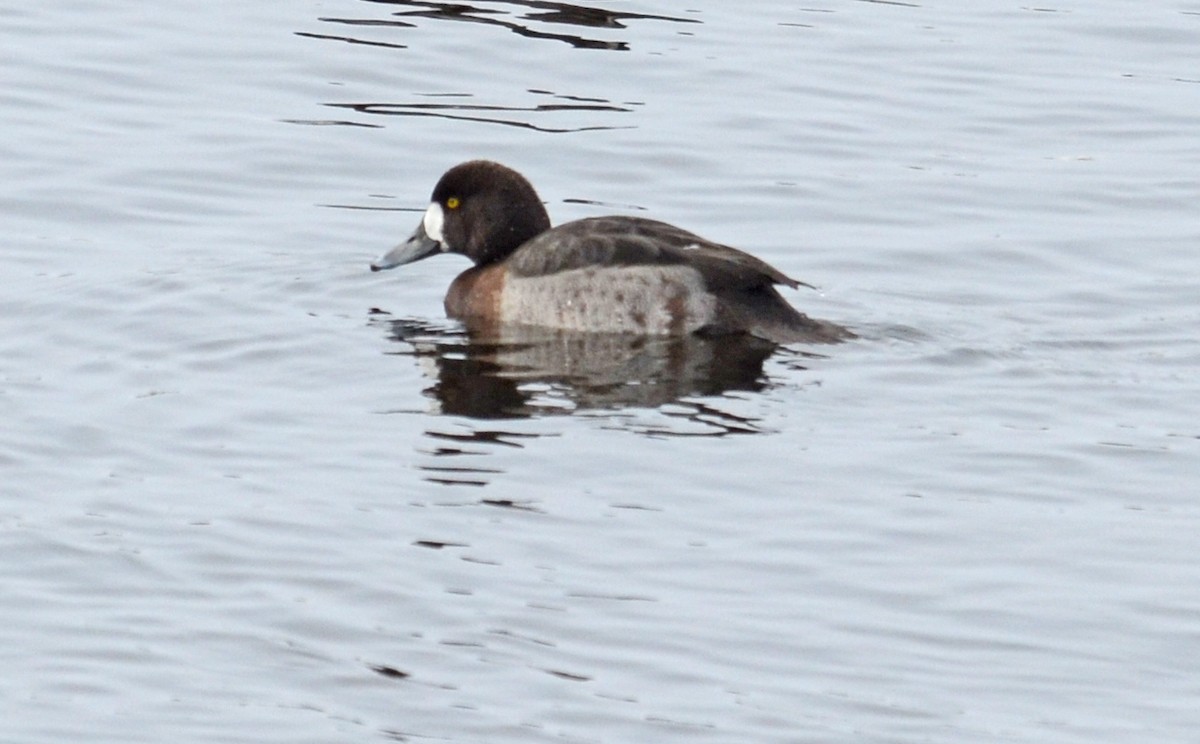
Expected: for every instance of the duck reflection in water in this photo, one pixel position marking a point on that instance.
(524, 372)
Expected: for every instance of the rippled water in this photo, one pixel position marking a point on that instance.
(253, 492)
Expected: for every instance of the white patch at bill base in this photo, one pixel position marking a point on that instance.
(432, 222)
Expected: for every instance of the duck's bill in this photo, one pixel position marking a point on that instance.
(419, 246)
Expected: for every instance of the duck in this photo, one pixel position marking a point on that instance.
(612, 274)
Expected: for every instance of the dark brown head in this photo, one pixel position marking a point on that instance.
(481, 209)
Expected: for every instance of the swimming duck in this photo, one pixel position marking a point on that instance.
(617, 274)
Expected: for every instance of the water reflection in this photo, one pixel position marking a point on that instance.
(490, 14)
(526, 372)
(457, 458)
(487, 113)
(653, 386)
(560, 115)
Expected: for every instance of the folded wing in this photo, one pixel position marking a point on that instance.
(635, 241)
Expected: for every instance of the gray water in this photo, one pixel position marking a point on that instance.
(252, 492)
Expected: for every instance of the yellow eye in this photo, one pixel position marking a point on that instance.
(453, 202)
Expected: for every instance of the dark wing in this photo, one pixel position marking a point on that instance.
(636, 241)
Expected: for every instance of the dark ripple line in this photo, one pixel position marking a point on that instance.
(553, 13)
(457, 482)
(350, 40)
(459, 12)
(483, 437)
(369, 22)
(506, 122)
(382, 108)
(460, 470)
(331, 123)
(487, 120)
(579, 15)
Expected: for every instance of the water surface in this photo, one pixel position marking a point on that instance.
(253, 492)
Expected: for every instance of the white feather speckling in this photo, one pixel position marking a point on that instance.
(656, 300)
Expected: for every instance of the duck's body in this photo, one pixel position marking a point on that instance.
(602, 274)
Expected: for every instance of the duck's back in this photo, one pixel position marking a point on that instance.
(637, 241)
